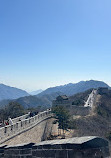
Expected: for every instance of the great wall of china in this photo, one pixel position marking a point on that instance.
(22, 124)
(30, 131)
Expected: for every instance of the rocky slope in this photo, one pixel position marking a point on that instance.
(99, 121)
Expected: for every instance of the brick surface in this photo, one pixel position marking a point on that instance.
(74, 154)
(44, 153)
(61, 153)
(26, 152)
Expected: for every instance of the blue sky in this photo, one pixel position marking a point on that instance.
(46, 43)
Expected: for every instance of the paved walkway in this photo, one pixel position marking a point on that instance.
(91, 99)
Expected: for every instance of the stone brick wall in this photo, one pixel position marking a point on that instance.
(10, 131)
(80, 110)
(35, 151)
(36, 134)
(66, 103)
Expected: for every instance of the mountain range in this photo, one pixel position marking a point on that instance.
(71, 89)
(7, 92)
(33, 101)
(46, 97)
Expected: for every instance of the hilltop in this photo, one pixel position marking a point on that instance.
(71, 89)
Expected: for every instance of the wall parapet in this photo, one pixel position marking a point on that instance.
(82, 147)
(20, 118)
(22, 125)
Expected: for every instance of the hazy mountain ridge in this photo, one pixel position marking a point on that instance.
(36, 92)
(33, 101)
(71, 89)
(7, 92)
(46, 97)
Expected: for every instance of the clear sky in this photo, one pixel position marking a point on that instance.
(46, 43)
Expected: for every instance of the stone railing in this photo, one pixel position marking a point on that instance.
(20, 118)
(23, 125)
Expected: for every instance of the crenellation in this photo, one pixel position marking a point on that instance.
(17, 119)
(22, 124)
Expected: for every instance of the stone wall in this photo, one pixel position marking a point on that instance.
(10, 131)
(17, 119)
(79, 110)
(53, 151)
(36, 134)
(66, 103)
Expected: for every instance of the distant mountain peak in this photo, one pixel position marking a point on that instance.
(73, 88)
(36, 92)
(7, 92)
(45, 98)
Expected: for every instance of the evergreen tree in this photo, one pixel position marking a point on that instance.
(62, 117)
(12, 110)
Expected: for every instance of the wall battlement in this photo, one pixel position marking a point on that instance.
(19, 127)
(17, 119)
